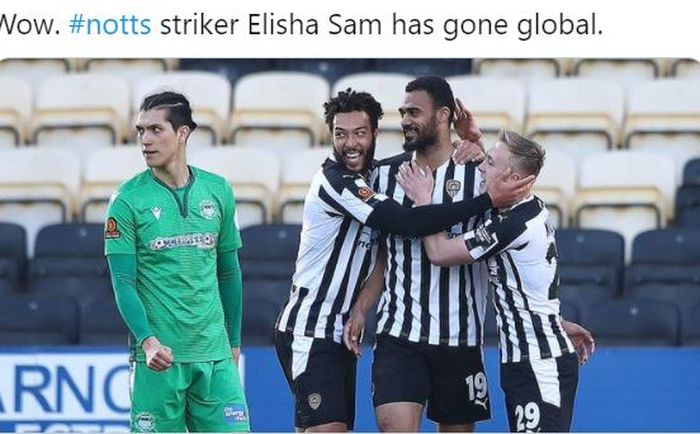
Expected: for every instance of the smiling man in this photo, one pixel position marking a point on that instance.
(171, 244)
(337, 253)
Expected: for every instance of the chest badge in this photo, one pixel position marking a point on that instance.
(156, 212)
(452, 187)
(207, 209)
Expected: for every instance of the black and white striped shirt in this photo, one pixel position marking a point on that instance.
(518, 245)
(423, 302)
(337, 252)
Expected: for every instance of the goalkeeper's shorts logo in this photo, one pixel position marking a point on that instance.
(145, 422)
(235, 413)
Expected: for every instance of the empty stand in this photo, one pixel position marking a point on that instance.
(209, 95)
(80, 111)
(15, 110)
(624, 72)
(100, 322)
(232, 69)
(37, 187)
(685, 68)
(102, 173)
(269, 251)
(389, 90)
(259, 316)
(625, 191)
(330, 69)
(37, 320)
(132, 70)
(419, 67)
(297, 173)
(496, 102)
(279, 108)
(522, 69)
(35, 71)
(254, 175)
(663, 116)
(13, 256)
(556, 186)
(578, 116)
(634, 322)
(690, 327)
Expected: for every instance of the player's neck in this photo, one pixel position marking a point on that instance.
(436, 155)
(176, 176)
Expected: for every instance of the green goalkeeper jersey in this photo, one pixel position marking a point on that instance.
(175, 235)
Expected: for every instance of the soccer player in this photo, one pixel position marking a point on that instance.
(337, 252)
(171, 244)
(539, 370)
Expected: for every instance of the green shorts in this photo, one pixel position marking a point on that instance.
(202, 396)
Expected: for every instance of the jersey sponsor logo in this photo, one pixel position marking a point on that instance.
(365, 193)
(314, 401)
(145, 422)
(111, 231)
(156, 212)
(206, 240)
(452, 187)
(235, 413)
(207, 209)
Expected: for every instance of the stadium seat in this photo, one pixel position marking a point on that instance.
(689, 218)
(232, 69)
(590, 258)
(330, 69)
(69, 260)
(634, 322)
(419, 67)
(389, 90)
(35, 71)
(15, 110)
(259, 318)
(663, 116)
(685, 68)
(668, 256)
(275, 290)
(624, 72)
(496, 103)
(37, 187)
(624, 191)
(570, 311)
(102, 173)
(683, 296)
(13, 256)
(80, 112)
(254, 175)
(578, 116)
(523, 69)
(209, 95)
(132, 70)
(279, 108)
(101, 323)
(556, 186)
(581, 297)
(269, 251)
(27, 320)
(690, 327)
(297, 173)
(691, 172)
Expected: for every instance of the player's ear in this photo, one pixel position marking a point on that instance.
(182, 134)
(443, 114)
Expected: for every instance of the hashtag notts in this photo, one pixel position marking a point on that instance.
(77, 23)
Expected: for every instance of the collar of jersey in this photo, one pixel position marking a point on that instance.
(182, 205)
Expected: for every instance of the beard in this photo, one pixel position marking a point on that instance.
(425, 137)
(368, 157)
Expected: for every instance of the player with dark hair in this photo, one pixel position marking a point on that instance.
(171, 243)
(539, 370)
(336, 258)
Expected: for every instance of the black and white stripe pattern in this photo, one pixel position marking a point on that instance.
(519, 247)
(422, 302)
(336, 253)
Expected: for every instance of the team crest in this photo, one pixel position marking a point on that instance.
(452, 187)
(315, 401)
(145, 422)
(207, 209)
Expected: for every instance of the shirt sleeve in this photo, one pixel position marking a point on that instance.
(492, 237)
(120, 233)
(349, 194)
(229, 236)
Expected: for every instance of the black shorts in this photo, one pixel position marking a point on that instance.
(540, 393)
(452, 380)
(321, 375)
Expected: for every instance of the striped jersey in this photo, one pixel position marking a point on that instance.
(518, 245)
(423, 302)
(337, 252)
